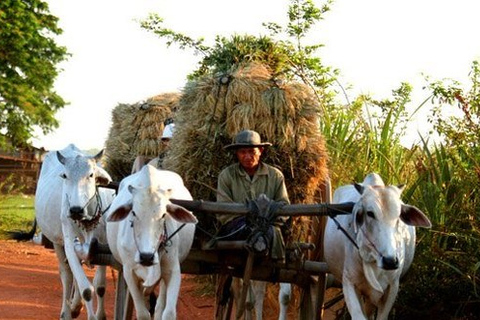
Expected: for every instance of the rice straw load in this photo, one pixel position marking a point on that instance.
(136, 131)
(214, 108)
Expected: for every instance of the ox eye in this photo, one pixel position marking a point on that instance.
(370, 214)
(63, 176)
(134, 214)
(91, 175)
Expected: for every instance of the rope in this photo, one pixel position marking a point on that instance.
(339, 227)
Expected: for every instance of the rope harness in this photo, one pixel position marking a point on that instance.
(164, 240)
(89, 225)
(339, 227)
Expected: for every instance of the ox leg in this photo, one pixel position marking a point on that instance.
(66, 278)
(172, 280)
(161, 300)
(284, 297)
(258, 288)
(99, 282)
(76, 304)
(387, 305)
(137, 295)
(353, 301)
(249, 303)
(86, 289)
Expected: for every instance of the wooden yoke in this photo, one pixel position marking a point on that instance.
(291, 210)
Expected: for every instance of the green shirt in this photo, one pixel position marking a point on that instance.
(235, 185)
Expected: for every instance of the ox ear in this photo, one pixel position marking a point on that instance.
(120, 213)
(358, 218)
(60, 157)
(359, 187)
(181, 214)
(101, 176)
(413, 216)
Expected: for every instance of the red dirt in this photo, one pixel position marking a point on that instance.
(30, 288)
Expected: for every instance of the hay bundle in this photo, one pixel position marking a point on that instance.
(136, 131)
(213, 109)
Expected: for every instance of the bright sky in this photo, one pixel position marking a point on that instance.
(376, 44)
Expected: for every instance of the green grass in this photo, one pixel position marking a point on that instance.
(16, 213)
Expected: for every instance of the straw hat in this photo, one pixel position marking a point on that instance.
(247, 139)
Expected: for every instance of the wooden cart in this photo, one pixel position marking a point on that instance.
(238, 258)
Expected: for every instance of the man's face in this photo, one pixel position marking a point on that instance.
(249, 158)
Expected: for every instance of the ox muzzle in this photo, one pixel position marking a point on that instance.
(147, 259)
(390, 263)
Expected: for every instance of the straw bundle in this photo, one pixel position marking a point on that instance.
(213, 109)
(136, 131)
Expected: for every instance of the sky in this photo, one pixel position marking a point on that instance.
(375, 44)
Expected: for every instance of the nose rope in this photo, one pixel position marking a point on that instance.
(159, 241)
(371, 243)
(92, 223)
(96, 196)
(163, 240)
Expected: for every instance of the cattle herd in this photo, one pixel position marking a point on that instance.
(150, 236)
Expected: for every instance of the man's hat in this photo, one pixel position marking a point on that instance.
(247, 139)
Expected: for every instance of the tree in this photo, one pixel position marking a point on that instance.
(28, 59)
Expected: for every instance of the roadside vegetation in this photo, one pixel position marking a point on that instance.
(442, 176)
(16, 213)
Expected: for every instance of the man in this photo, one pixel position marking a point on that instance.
(166, 137)
(157, 162)
(246, 180)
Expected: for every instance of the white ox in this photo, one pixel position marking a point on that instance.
(154, 239)
(383, 227)
(68, 209)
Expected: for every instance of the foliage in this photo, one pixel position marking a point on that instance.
(28, 59)
(364, 136)
(16, 213)
(286, 58)
(447, 189)
(12, 184)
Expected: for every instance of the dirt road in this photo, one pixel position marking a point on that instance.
(30, 286)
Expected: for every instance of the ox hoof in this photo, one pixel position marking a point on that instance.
(87, 295)
(76, 313)
(101, 291)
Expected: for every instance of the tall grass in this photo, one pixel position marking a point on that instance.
(443, 180)
(365, 137)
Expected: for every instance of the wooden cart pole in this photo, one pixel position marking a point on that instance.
(246, 284)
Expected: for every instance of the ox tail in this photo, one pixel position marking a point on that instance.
(23, 235)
